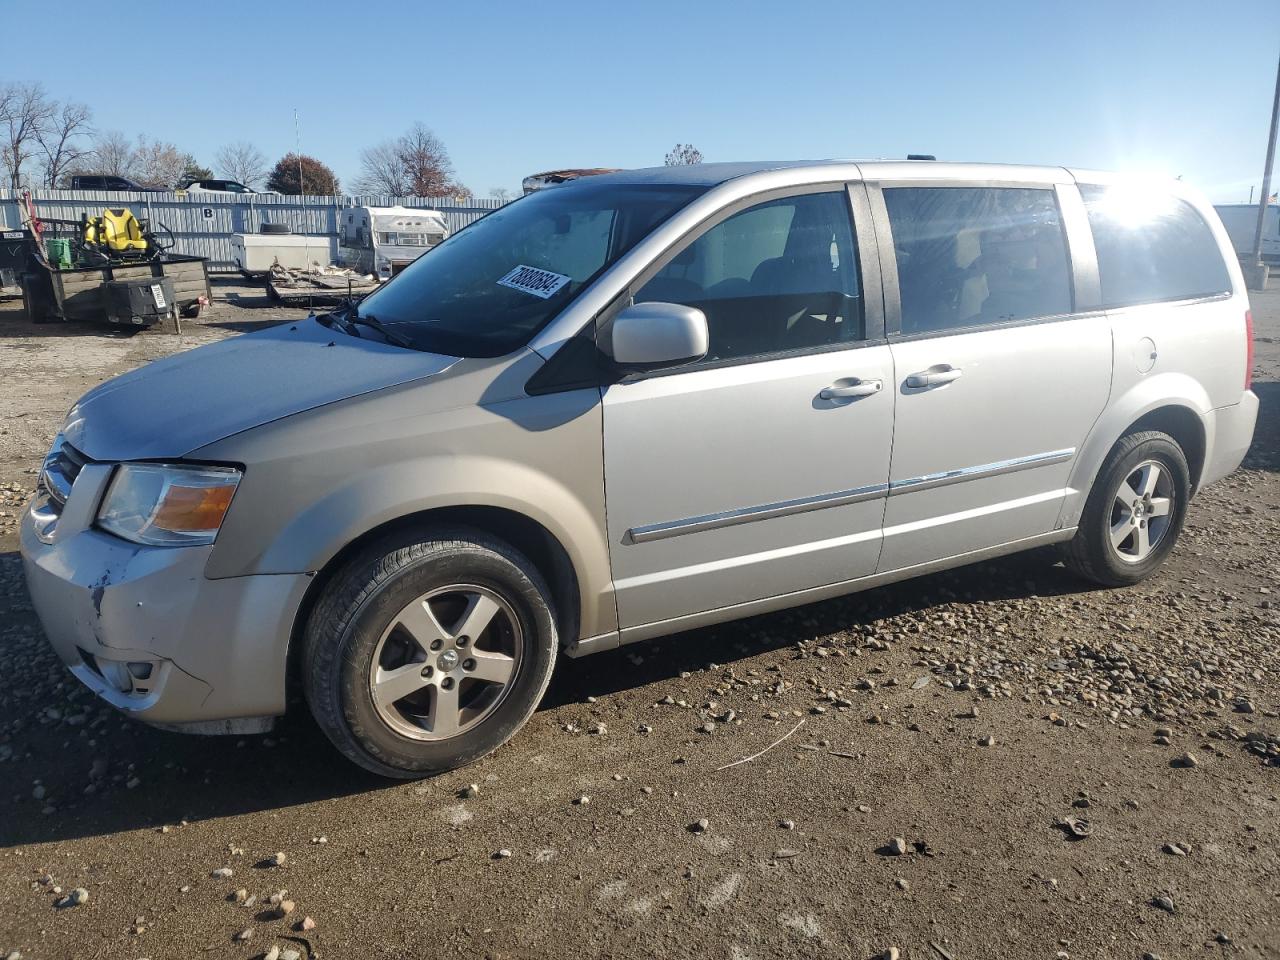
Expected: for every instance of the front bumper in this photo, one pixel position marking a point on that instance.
(146, 630)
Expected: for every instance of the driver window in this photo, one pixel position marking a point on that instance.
(777, 277)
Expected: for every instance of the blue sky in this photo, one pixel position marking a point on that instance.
(514, 88)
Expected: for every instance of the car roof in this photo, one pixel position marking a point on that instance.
(713, 174)
(693, 174)
(773, 173)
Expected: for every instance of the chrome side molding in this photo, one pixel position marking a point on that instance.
(729, 518)
(786, 508)
(932, 480)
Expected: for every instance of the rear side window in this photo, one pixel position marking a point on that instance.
(1152, 247)
(777, 277)
(971, 256)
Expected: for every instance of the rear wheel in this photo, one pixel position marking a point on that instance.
(424, 654)
(1134, 513)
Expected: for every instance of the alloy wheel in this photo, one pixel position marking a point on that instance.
(445, 662)
(1141, 511)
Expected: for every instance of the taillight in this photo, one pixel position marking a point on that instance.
(1248, 349)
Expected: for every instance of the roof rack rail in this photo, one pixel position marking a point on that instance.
(921, 156)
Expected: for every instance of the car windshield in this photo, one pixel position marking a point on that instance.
(489, 288)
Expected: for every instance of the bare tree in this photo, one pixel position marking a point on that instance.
(415, 164)
(683, 154)
(6, 108)
(383, 172)
(242, 161)
(426, 161)
(500, 193)
(62, 139)
(24, 112)
(158, 164)
(113, 154)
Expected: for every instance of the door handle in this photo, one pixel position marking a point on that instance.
(934, 376)
(852, 388)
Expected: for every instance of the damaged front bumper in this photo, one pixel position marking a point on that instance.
(146, 630)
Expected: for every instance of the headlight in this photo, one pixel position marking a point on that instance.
(167, 505)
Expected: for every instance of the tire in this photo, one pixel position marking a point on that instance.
(1102, 550)
(358, 638)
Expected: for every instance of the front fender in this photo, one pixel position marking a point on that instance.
(316, 482)
(1148, 395)
(314, 536)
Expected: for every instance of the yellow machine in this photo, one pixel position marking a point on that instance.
(117, 234)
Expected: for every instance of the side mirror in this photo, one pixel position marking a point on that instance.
(650, 336)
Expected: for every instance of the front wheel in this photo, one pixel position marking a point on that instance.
(426, 653)
(1134, 513)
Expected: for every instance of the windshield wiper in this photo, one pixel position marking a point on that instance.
(369, 320)
(340, 320)
(347, 320)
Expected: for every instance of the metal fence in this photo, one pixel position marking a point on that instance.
(204, 223)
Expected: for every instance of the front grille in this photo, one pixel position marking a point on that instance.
(61, 467)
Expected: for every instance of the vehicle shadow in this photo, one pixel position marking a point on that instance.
(1034, 573)
(1264, 453)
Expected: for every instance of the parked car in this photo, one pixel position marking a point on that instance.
(633, 405)
(217, 186)
(96, 182)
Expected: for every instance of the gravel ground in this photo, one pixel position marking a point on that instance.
(996, 761)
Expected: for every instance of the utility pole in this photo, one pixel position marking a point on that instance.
(297, 143)
(1258, 271)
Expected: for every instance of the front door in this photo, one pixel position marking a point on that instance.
(762, 469)
(998, 379)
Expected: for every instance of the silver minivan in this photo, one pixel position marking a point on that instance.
(632, 405)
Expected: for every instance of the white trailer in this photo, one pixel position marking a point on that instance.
(254, 253)
(1241, 221)
(385, 240)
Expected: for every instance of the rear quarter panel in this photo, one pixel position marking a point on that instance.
(1199, 357)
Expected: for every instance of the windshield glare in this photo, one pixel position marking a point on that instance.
(490, 287)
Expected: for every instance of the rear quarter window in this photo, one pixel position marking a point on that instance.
(1152, 247)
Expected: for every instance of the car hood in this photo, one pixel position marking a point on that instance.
(175, 405)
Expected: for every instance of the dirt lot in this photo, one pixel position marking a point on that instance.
(968, 714)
